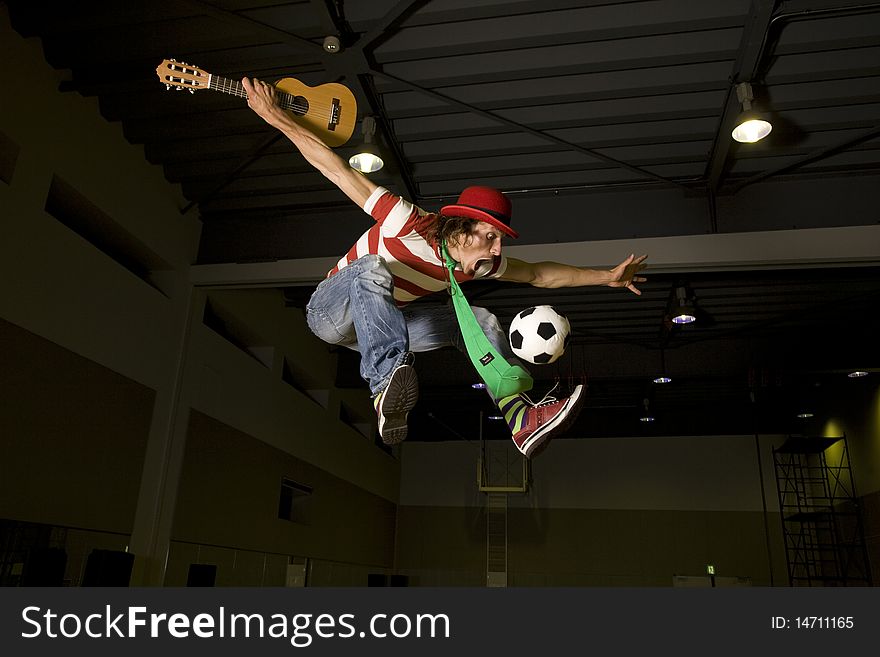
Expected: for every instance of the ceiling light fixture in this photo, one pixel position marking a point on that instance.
(478, 386)
(683, 312)
(368, 159)
(332, 44)
(646, 416)
(857, 374)
(751, 126)
(663, 377)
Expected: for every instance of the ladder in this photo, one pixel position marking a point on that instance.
(496, 540)
(821, 515)
(501, 470)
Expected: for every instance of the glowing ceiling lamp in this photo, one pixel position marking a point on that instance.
(683, 312)
(368, 159)
(663, 377)
(751, 126)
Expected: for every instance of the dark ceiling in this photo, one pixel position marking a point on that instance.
(604, 121)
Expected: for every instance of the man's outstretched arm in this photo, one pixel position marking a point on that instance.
(261, 99)
(555, 274)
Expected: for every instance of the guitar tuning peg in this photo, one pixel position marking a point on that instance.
(173, 60)
(192, 91)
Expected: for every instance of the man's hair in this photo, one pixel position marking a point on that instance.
(455, 230)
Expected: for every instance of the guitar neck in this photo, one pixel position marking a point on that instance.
(235, 88)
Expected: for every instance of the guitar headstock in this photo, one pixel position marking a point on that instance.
(179, 75)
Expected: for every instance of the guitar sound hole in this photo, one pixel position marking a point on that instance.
(300, 105)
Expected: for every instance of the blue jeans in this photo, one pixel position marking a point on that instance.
(355, 308)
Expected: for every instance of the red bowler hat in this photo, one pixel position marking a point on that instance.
(483, 204)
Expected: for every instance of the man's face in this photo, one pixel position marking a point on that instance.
(480, 247)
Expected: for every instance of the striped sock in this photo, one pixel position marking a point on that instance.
(513, 409)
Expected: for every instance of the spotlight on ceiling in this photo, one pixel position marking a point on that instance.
(751, 126)
(367, 159)
(803, 415)
(857, 374)
(663, 377)
(683, 312)
(478, 386)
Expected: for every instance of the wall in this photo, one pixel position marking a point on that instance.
(73, 436)
(103, 352)
(55, 283)
(229, 497)
(88, 344)
(599, 512)
(91, 360)
(854, 411)
(230, 383)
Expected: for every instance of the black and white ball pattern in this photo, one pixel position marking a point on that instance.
(539, 334)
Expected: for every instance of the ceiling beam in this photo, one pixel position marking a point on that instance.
(493, 44)
(381, 30)
(528, 129)
(388, 24)
(229, 177)
(399, 168)
(349, 66)
(330, 23)
(744, 70)
(466, 14)
(354, 63)
(292, 40)
(644, 69)
(814, 156)
(296, 42)
(787, 249)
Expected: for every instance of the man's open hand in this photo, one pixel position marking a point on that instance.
(624, 274)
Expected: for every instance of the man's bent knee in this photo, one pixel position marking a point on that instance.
(373, 269)
(487, 320)
(371, 262)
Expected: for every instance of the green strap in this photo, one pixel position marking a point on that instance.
(501, 378)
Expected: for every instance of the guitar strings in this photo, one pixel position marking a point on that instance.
(288, 101)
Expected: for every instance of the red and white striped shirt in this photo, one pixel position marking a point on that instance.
(399, 237)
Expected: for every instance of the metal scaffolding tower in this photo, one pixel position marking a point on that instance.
(501, 470)
(821, 517)
(496, 540)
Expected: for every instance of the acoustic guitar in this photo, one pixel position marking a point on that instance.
(327, 110)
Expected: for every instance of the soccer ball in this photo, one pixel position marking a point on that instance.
(539, 334)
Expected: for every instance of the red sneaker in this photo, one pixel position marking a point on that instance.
(545, 420)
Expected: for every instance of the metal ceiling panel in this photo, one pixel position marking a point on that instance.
(603, 120)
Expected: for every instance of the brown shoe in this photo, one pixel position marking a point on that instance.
(546, 420)
(395, 402)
